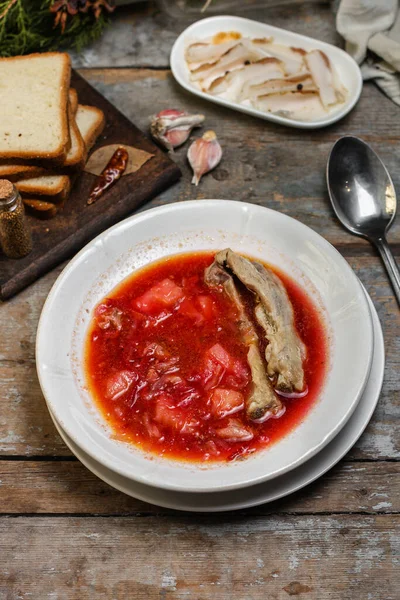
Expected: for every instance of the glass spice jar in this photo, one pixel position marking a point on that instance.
(15, 235)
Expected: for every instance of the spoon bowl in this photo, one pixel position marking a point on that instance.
(363, 196)
(360, 187)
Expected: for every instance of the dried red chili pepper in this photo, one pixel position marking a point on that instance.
(111, 173)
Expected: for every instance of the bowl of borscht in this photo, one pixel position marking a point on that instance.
(204, 346)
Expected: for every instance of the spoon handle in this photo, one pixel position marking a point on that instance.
(390, 264)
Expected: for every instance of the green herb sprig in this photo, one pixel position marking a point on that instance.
(28, 26)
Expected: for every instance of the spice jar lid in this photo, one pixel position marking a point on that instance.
(7, 190)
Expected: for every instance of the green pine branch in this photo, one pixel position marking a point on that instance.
(28, 26)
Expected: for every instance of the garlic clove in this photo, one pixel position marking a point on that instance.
(204, 155)
(171, 128)
(177, 137)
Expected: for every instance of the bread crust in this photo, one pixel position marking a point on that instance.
(16, 172)
(58, 155)
(77, 161)
(96, 129)
(73, 99)
(55, 194)
(40, 209)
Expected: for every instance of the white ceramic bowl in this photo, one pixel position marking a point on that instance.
(197, 225)
(348, 70)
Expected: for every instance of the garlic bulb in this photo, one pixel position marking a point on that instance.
(204, 155)
(171, 128)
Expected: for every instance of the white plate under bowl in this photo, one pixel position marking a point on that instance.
(346, 67)
(267, 491)
(190, 226)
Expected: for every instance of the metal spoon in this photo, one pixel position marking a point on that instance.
(363, 197)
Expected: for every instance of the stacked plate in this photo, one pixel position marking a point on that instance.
(332, 426)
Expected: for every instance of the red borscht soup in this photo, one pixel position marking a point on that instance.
(166, 363)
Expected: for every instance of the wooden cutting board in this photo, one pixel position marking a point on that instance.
(59, 238)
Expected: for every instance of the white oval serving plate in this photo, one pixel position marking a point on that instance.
(189, 226)
(348, 70)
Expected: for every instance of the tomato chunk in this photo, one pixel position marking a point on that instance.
(218, 353)
(233, 366)
(226, 402)
(167, 415)
(188, 309)
(119, 384)
(213, 374)
(234, 431)
(163, 294)
(207, 306)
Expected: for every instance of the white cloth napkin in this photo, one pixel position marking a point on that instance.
(373, 25)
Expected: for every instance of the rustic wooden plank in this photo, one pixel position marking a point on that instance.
(19, 318)
(25, 424)
(26, 428)
(143, 35)
(263, 163)
(224, 557)
(67, 487)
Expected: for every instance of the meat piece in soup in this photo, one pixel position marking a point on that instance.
(261, 402)
(285, 351)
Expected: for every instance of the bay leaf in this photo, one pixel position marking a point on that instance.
(100, 158)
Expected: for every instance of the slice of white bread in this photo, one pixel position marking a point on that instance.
(90, 121)
(41, 208)
(73, 99)
(34, 117)
(55, 188)
(75, 158)
(15, 172)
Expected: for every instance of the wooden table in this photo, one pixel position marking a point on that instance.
(66, 535)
